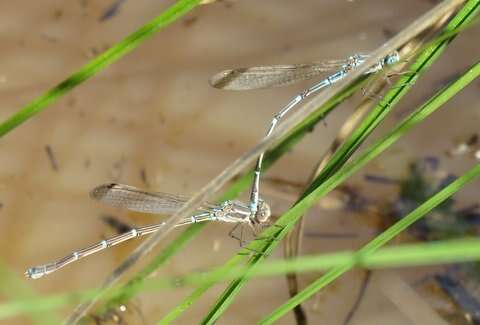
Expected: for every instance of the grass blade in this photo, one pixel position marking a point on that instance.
(407, 255)
(375, 244)
(441, 252)
(323, 184)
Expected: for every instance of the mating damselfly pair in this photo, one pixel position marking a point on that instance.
(257, 211)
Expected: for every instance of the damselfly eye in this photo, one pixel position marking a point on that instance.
(264, 212)
(392, 58)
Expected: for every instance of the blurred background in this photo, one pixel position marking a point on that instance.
(151, 120)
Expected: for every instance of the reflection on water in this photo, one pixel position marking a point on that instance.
(125, 314)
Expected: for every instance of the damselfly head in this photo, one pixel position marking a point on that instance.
(263, 213)
(392, 58)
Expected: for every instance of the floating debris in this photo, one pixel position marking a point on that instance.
(117, 169)
(189, 22)
(51, 157)
(49, 38)
(470, 146)
(94, 51)
(57, 14)
(111, 11)
(388, 32)
(380, 179)
(143, 177)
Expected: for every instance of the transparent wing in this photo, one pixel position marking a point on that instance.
(132, 198)
(271, 76)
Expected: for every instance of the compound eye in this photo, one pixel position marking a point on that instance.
(393, 58)
(263, 213)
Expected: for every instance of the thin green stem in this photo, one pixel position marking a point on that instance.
(440, 252)
(375, 244)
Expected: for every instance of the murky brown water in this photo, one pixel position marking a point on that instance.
(153, 113)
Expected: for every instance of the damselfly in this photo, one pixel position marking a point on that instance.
(257, 211)
(280, 75)
(131, 198)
